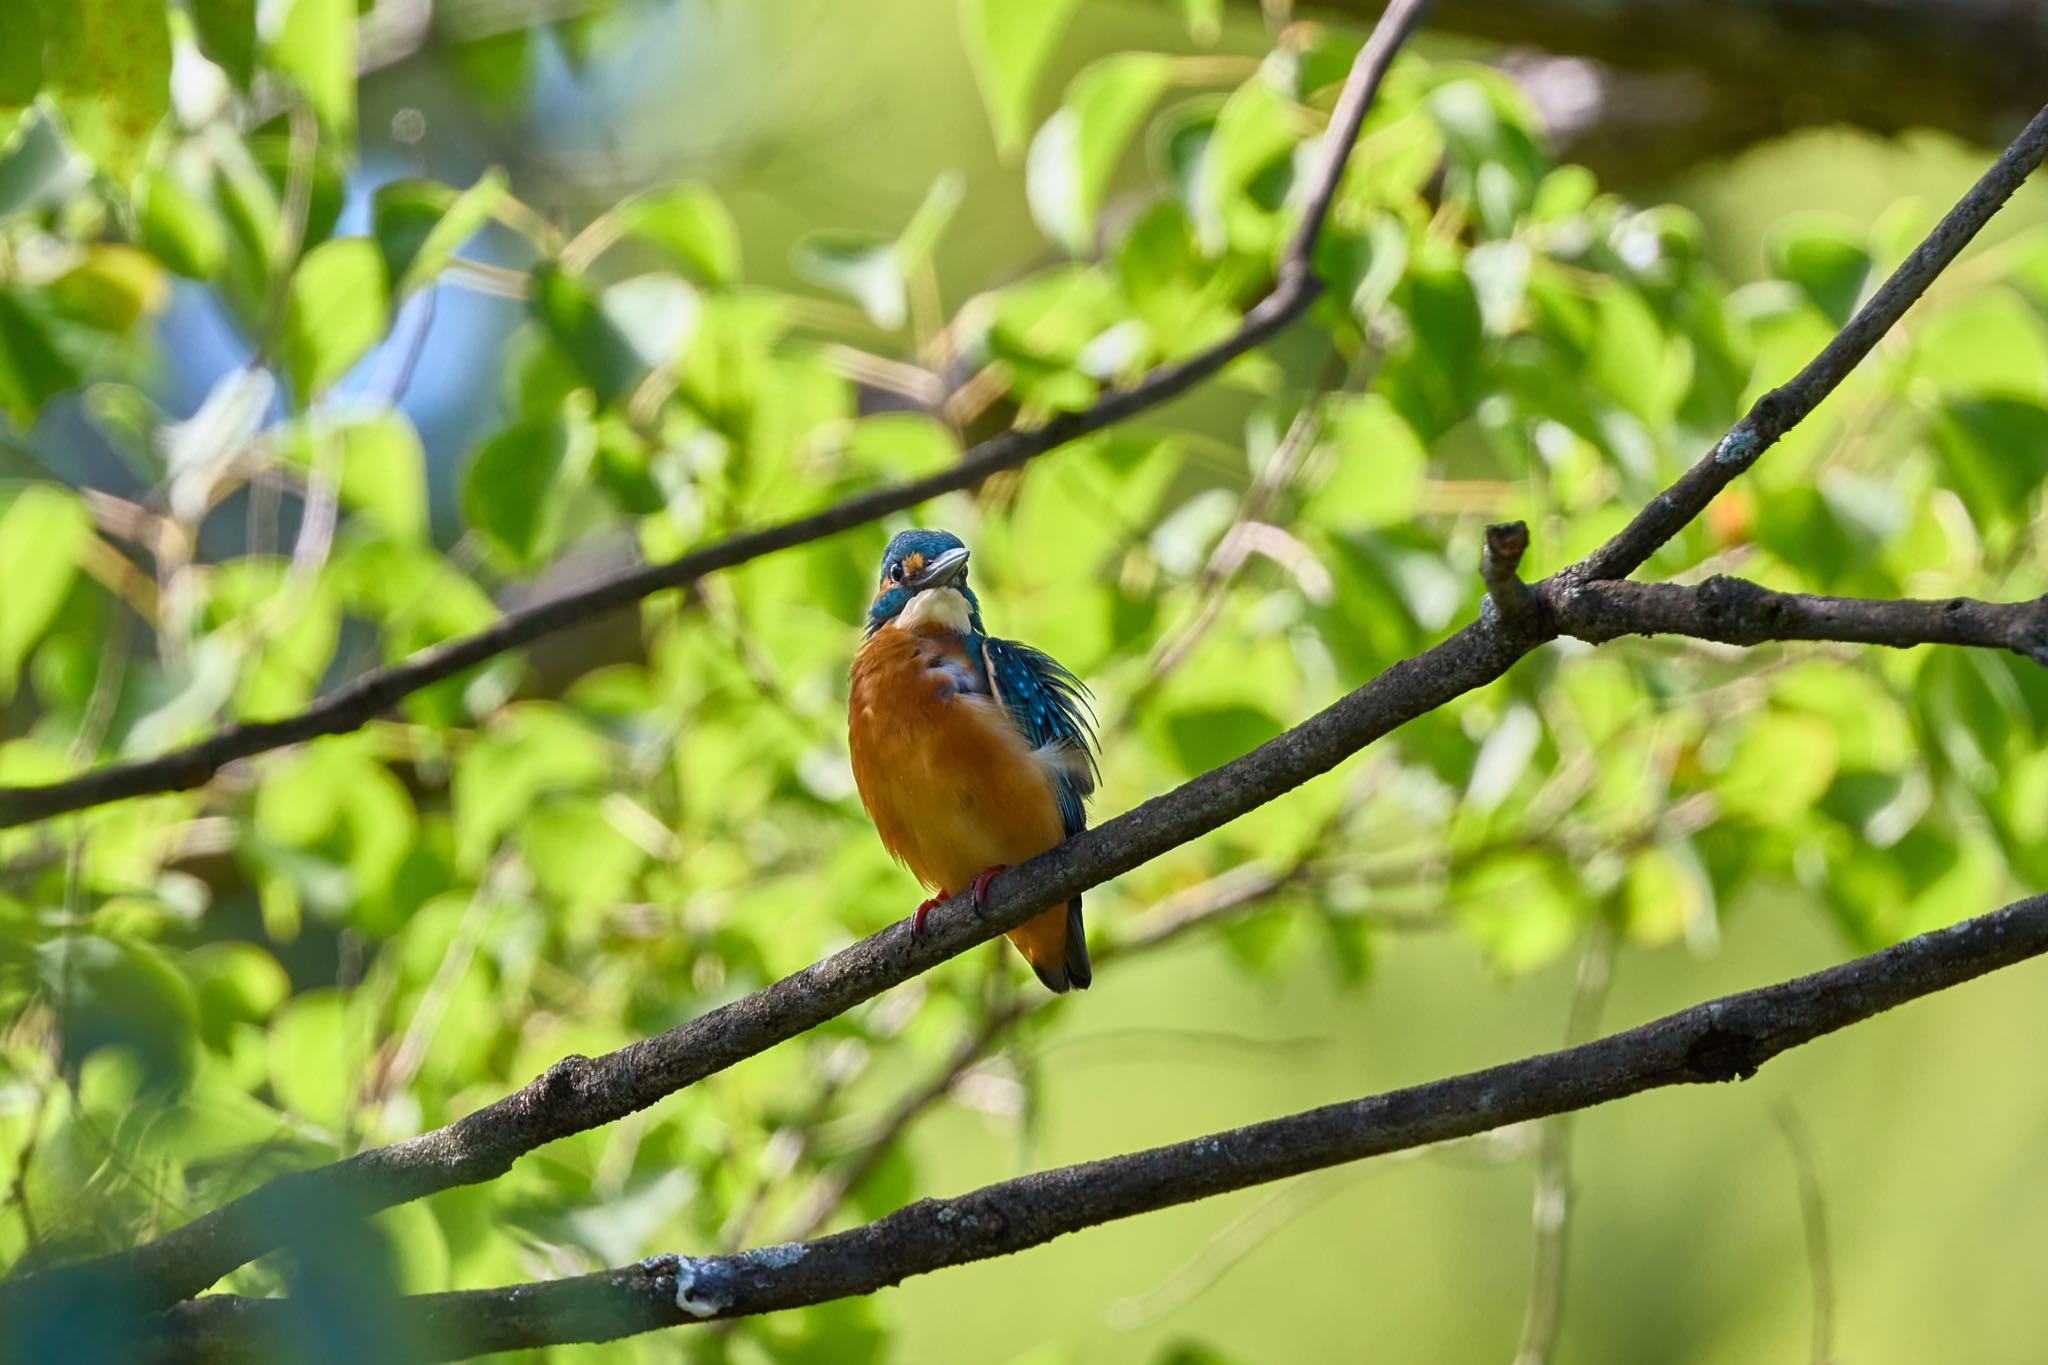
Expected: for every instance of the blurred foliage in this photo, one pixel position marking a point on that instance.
(371, 935)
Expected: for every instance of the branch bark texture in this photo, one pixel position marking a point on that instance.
(1720, 1040)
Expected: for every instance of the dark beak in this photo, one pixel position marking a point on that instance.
(941, 572)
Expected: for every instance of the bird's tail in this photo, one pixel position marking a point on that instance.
(1056, 946)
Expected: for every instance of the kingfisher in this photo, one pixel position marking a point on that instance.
(971, 753)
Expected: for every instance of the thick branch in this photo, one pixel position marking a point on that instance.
(1735, 611)
(1784, 407)
(353, 706)
(1721, 1040)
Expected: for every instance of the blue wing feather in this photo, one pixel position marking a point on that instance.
(1049, 705)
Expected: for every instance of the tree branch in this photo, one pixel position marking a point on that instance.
(353, 706)
(580, 1093)
(1720, 1040)
(1784, 407)
(1735, 611)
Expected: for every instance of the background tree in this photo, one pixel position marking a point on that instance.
(336, 812)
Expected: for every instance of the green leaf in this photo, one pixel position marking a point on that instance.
(43, 535)
(691, 224)
(1521, 909)
(1990, 343)
(1246, 166)
(336, 309)
(112, 288)
(36, 167)
(519, 479)
(656, 314)
(582, 328)
(1212, 736)
(383, 469)
(1184, 1351)
(1779, 768)
(33, 367)
(1204, 19)
(1077, 151)
(920, 236)
(1827, 258)
(864, 266)
(184, 232)
(311, 1070)
(120, 995)
(531, 749)
(107, 71)
(235, 983)
(1380, 465)
(315, 48)
(21, 55)
(1008, 42)
(1667, 895)
(578, 856)
(1995, 453)
(420, 224)
(227, 35)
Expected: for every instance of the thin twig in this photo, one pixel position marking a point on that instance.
(1784, 407)
(1813, 1218)
(1500, 563)
(1551, 1210)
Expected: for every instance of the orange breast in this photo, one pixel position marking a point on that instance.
(952, 786)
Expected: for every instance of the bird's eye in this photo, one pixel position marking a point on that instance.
(896, 572)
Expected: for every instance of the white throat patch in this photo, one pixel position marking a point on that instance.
(941, 607)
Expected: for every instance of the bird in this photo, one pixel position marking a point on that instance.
(971, 753)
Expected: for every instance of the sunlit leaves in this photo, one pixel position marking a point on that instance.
(419, 224)
(44, 533)
(518, 482)
(335, 311)
(1009, 42)
(578, 321)
(105, 66)
(1077, 150)
(531, 751)
(1827, 259)
(1376, 466)
(875, 271)
(380, 465)
(313, 44)
(179, 228)
(691, 225)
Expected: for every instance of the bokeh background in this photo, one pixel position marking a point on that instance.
(344, 945)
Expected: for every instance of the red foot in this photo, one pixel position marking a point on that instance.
(917, 919)
(977, 895)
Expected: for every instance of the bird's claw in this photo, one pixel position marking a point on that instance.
(977, 895)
